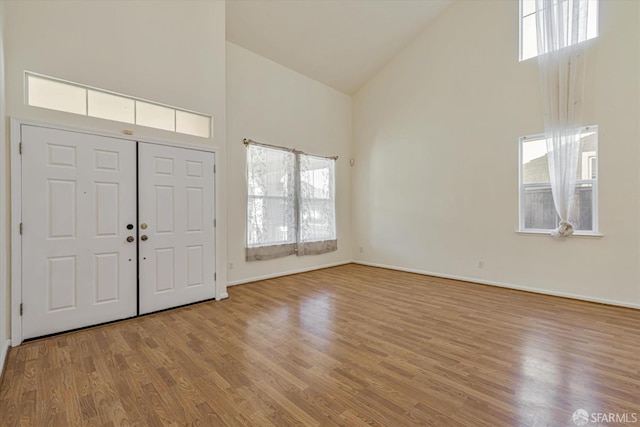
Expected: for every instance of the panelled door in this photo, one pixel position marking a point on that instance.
(78, 197)
(176, 226)
(111, 229)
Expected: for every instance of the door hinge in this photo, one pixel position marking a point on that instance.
(214, 222)
(215, 276)
(20, 148)
(20, 309)
(214, 168)
(20, 228)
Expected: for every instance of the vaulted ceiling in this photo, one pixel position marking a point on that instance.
(341, 43)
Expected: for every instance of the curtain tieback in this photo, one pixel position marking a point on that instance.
(565, 229)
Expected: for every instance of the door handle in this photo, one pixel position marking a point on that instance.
(130, 239)
(144, 237)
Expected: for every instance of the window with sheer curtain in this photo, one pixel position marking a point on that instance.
(561, 30)
(529, 11)
(537, 209)
(290, 203)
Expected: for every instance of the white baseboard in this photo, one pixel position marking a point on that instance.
(286, 273)
(504, 285)
(222, 296)
(3, 355)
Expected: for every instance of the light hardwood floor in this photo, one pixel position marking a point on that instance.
(349, 345)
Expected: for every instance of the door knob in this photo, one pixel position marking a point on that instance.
(143, 226)
(130, 239)
(143, 237)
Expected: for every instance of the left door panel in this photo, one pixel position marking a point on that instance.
(78, 197)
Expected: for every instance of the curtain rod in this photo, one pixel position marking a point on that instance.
(248, 141)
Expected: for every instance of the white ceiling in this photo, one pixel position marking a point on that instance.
(341, 43)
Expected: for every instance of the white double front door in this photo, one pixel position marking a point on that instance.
(111, 228)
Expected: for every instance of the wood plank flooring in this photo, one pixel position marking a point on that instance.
(350, 345)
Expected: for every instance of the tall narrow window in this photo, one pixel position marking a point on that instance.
(537, 210)
(290, 204)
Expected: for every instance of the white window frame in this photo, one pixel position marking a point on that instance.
(594, 188)
(594, 7)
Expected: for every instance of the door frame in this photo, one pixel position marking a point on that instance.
(15, 136)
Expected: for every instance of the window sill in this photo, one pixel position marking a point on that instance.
(547, 234)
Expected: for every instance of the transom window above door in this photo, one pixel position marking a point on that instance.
(56, 94)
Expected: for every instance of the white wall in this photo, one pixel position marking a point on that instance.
(4, 186)
(436, 147)
(171, 52)
(269, 103)
(165, 51)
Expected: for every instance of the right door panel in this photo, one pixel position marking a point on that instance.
(176, 226)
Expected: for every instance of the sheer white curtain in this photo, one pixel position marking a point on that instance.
(561, 31)
(316, 201)
(271, 203)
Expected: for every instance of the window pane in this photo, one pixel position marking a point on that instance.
(111, 107)
(155, 116)
(539, 210)
(528, 7)
(592, 19)
(315, 180)
(583, 213)
(193, 124)
(587, 159)
(535, 167)
(270, 172)
(529, 41)
(56, 95)
(316, 220)
(270, 224)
